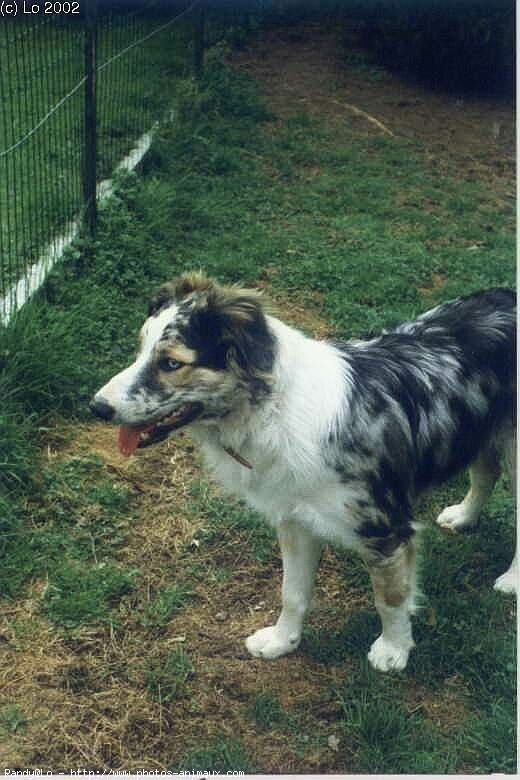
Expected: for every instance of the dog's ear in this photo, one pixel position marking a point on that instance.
(243, 327)
(163, 296)
(191, 282)
(178, 289)
(231, 324)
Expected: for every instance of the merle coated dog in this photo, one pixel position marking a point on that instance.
(333, 442)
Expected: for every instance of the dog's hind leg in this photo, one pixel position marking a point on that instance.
(508, 582)
(483, 474)
(393, 580)
(300, 554)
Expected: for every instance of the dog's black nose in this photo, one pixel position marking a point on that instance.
(102, 408)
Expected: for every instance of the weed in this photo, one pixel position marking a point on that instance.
(267, 711)
(168, 601)
(77, 595)
(26, 631)
(12, 719)
(167, 676)
(222, 754)
(40, 360)
(222, 92)
(16, 549)
(208, 572)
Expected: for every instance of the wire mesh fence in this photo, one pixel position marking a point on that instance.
(80, 83)
(40, 136)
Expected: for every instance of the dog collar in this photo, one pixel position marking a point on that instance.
(239, 459)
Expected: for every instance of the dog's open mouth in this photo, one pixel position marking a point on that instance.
(133, 436)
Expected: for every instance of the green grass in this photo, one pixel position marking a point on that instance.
(223, 754)
(167, 676)
(12, 719)
(166, 603)
(267, 712)
(77, 595)
(371, 233)
(488, 741)
(388, 738)
(79, 516)
(230, 519)
(35, 386)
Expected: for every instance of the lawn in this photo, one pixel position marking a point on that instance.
(129, 585)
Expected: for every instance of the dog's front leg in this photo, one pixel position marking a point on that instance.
(393, 580)
(300, 554)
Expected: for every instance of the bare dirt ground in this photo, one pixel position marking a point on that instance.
(87, 696)
(309, 69)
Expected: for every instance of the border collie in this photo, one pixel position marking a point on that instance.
(333, 442)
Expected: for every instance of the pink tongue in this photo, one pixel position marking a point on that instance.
(129, 436)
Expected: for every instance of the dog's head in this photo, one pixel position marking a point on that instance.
(204, 350)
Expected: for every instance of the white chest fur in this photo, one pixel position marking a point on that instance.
(284, 440)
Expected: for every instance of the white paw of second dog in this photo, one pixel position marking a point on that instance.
(387, 656)
(455, 517)
(507, 582)
(271, 642)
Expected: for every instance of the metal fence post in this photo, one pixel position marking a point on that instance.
(199, 41)
(90, 135)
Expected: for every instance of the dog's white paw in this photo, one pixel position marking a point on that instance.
(456, 516)
(507, 582)
(387, 656)
(271, 642)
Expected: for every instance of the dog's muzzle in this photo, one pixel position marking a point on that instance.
(102, 409)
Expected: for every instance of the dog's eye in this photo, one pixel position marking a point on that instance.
(169, 364)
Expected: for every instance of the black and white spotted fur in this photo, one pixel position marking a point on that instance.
(337, 440)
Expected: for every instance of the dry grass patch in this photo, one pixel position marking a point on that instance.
(446, 708)
(301, 308)
(435, 283)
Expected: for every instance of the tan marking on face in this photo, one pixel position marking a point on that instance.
(181, 352)
(179, 378)
(193, 376)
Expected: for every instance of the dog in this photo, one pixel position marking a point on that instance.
(332, 441)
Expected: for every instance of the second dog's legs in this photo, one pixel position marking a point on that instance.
(300, 553)
(508, 582)
(483, 473)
